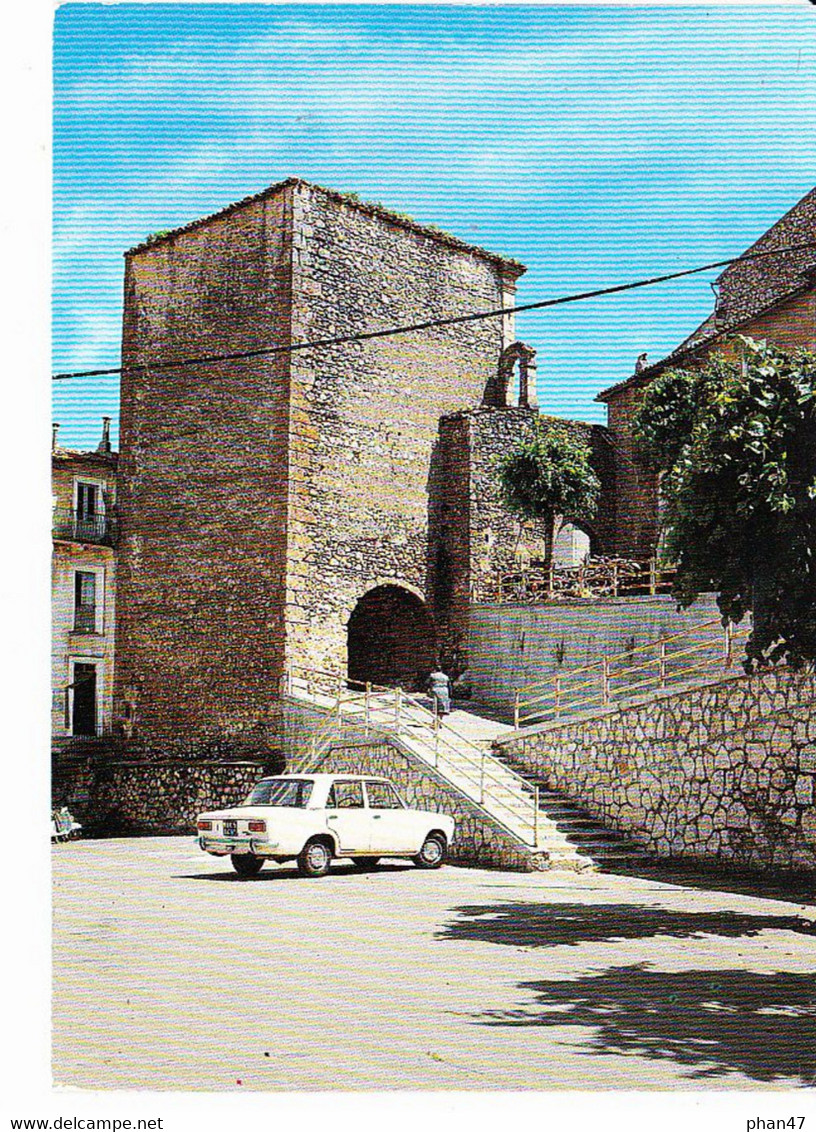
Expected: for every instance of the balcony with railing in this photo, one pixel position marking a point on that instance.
(73, 526)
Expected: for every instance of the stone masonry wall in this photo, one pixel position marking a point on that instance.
(724, 773)
(636, 528)
(364, 415)
(471, 525)
(160, 796)
(449, 542)
(203, 480)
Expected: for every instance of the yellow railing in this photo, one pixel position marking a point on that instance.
(703, 648)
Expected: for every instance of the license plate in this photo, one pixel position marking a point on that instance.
(230, 828)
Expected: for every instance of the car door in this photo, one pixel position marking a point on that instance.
(394, 829)
(347, 817)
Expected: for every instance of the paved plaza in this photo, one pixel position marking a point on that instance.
(171, 973)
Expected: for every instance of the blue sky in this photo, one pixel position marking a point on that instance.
(596, 145)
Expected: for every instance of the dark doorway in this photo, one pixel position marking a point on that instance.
(391, 639)
(83, 717)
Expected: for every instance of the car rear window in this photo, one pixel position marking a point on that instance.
(293, 792)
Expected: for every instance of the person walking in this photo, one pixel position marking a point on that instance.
(439, 689)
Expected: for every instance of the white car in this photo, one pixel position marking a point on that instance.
(312, 818)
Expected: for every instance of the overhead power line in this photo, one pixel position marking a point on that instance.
(408, 328)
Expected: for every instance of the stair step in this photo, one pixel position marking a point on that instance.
(572, 822)
(597, 837)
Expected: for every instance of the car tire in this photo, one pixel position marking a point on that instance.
(315, 859)
(432, 853)
(365, 863)
(247, 864)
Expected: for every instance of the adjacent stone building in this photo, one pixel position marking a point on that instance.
(772, 298)
(83, 591)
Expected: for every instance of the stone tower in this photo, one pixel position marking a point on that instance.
(274, 508)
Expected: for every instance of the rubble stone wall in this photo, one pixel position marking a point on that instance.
(636, 494)
(122, 796)
(724, 773)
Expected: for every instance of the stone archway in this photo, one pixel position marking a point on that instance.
(391, 638)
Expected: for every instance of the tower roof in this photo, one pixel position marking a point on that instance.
(510, 266)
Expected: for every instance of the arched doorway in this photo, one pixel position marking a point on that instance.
(391, 639)
(573, 545)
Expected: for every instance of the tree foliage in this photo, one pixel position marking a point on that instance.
(664, 421)
(737, 446)
(549, 478)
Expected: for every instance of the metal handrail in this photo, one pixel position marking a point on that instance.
(472, 763)
(464, 739)
(557, 694)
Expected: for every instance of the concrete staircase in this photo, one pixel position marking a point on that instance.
(605, 848)
(458, 748)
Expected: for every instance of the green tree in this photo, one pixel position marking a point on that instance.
(739, 486)
(550, 478)
(664, 421)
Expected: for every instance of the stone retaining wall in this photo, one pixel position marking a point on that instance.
(725, 772)
(111, 796)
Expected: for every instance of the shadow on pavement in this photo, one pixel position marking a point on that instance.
(289, 872)
(719, 1022)
(556, 925)
(796, 887)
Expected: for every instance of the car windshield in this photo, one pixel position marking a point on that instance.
(281, 792)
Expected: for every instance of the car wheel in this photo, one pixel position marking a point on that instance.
(432, 853)
(315, 859)
(365, 863)
(246, 864)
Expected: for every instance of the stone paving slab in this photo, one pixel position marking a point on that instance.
(171, 973)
